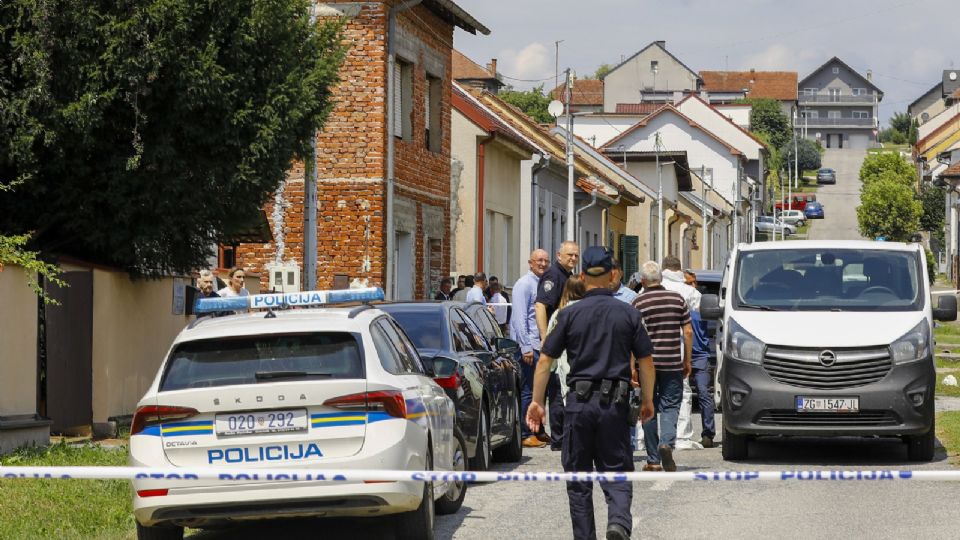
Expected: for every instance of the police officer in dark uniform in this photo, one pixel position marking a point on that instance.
(549, 291)
(600, 335)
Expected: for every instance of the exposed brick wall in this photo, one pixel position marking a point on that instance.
(352, 154)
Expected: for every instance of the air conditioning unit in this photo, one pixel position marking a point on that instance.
(284, 278)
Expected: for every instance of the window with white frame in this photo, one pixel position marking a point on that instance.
(833, 114)
(861, 114)
(809, 91)
(858, 91)
(811, 114)
(836, 70)
(835, 93)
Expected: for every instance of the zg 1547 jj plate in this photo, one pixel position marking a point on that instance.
(828, 404)
(249, 423)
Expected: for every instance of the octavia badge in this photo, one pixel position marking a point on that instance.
(828, 358)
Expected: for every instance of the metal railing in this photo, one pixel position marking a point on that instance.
(837, 122)
(850, 100)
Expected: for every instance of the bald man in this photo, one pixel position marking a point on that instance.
(524, 330)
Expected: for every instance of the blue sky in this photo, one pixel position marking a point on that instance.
(906, 43)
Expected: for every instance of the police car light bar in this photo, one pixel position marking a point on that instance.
(284, 300)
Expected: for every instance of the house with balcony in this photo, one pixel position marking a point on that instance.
(839, 106)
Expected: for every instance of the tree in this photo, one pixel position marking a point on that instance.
(142, 132)
(602, 71)
(888, 209)
(807, 151)
(934, 215)
(532, 102)
(874, 164)
(767, 117)
(901, 122)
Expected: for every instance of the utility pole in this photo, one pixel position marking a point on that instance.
(660, 232)
(736, 208)
(556, 65)
(310, 203)
(570, 172)
(703, 206)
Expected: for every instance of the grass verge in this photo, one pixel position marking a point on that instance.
(948, 431)
(99, 509)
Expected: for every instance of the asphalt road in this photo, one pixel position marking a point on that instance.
(839, 200)
(681, 509)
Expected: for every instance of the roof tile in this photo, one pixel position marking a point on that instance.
(465, 68)
(779, 85)
(585, 92)
(638, 108)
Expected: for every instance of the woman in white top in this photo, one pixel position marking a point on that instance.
(234, 284)
(573, 291)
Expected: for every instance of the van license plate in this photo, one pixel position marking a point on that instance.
(250, 423)
(821, 404)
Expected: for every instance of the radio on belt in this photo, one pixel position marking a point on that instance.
(285, 300)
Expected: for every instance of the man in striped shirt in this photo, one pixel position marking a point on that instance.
(667, 319)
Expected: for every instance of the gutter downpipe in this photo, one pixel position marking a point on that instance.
(673, 219)
(391, 144)
(603, 216)
(542, 163)
(593, 202)
(481, 171)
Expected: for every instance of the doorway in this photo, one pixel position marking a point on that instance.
(66, 353)
(839, 140)
(403, 259)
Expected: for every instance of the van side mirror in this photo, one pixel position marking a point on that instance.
(710, 309)
(946, 309)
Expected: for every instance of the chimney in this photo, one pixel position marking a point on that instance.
(492, 67)
(662, 44)
(869, 74)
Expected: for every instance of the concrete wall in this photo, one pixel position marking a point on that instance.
(133, 327)
(463, 148)
(931, 103)
(501, 198)
(18, 344)
(623, 85)
(713, 120)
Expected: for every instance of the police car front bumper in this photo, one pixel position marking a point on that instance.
(901, 403)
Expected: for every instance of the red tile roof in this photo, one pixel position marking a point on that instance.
(779, 85)
(467, 104)
(585, 92)
(638, 108)
(952, 171)
(465, 68)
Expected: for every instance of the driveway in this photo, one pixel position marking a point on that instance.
(840, 200)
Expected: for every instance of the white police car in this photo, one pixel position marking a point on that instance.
(322, 388)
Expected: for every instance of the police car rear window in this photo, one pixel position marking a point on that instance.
(263, 359)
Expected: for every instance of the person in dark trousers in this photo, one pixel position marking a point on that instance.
(701, 371)
(549, 291)
(523, 330)
(445, 293)
(600, 336)
(667, 319)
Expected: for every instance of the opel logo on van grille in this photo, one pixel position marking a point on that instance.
(828, 358)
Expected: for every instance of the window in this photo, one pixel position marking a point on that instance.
(836, 70)
(420, 325)
(409, 360)
(858, 91)
(654, 66)
(431, 113)
(809, 91)
(402, 99)
(708, 176)
(484, 320)
(467, 333)
(833, 114)
(813, 114)
(835, 94)
(389, 357)
(861, 114)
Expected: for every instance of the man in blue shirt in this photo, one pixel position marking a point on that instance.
(475, 294)
(523, 330)
(623, 293)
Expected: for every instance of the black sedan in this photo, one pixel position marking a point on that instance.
(480, 376)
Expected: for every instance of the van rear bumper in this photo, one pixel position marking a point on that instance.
(902, 403)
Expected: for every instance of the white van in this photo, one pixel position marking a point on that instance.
(826, 338)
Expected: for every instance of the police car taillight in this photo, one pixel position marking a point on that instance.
(151, 415)
(388, 401)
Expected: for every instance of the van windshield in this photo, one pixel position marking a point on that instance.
(828, 280)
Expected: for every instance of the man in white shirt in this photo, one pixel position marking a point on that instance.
(675, 280)
(475, 294)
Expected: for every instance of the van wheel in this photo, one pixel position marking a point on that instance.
(452, 500)
(159, 533)
(481, 460)
(921, 447)
(418, 524)
(734, 447)
(513, 450)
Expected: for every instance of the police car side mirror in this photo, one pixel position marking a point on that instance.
(946, 309)
(710, 309)
(506, 346)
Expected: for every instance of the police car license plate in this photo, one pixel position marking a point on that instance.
(822, 404)
(250, 423)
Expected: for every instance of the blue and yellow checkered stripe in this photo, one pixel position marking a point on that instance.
(337, 419)
(181, 429)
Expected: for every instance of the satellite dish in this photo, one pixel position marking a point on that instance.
(555, 108)
(953, 75)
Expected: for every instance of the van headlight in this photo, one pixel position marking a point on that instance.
(741, 345)
(912, 346)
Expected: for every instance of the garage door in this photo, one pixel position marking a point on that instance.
(858, 141)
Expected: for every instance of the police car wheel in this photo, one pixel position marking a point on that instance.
(481, 460)
(418, 524)
(452, 500)
(734, 447)
(512, 452)
(159, 533)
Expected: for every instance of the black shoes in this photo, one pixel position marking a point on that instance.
(617, 532)
(666, 458)
(706, 442)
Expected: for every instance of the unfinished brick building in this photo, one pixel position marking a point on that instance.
(354, 159)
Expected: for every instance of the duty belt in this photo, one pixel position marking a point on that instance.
(609, 389)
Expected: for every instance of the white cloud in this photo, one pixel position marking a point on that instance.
(531, 62)
(779, 57)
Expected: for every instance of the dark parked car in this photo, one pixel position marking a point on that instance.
(826, 176)
(480, 376)
(814, 210)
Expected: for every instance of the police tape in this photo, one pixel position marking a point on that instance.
(187, 474)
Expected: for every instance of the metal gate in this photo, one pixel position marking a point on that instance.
(66, 395)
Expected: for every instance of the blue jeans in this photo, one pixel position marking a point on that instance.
(701, 379)
(526, 390)
(667, 395)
